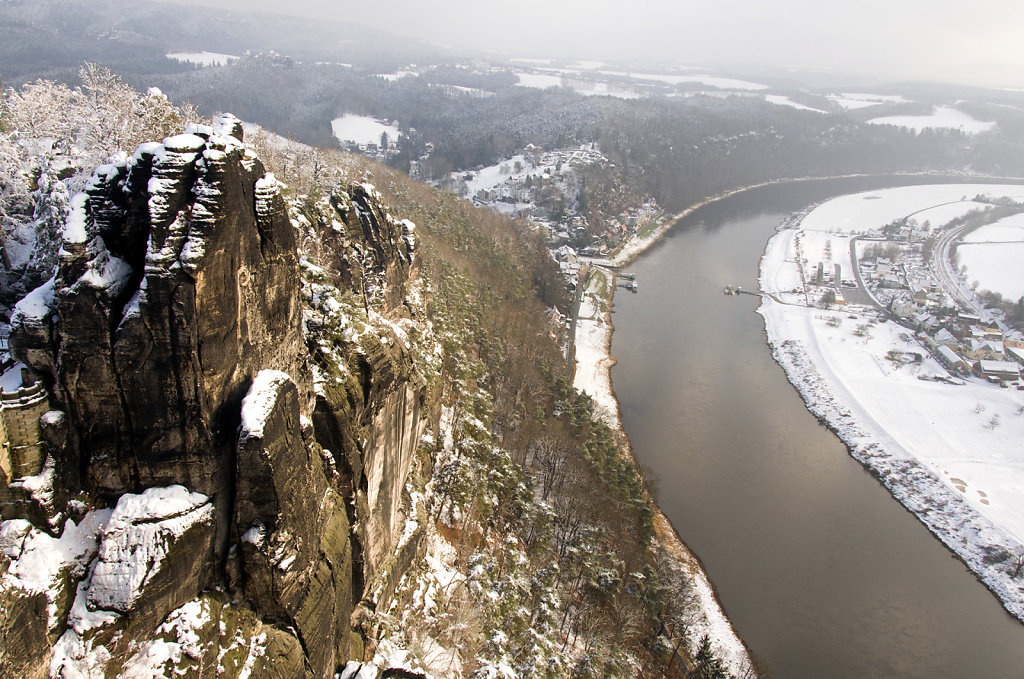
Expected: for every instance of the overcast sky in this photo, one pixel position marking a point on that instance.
(979, 42)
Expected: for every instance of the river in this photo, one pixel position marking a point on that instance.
(823, 574)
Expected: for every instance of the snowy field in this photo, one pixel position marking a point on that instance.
(860, 213)
(998, 267)
(577, 82)
(202, 58)
(1007, 230)
(950, 452)
(593, 344)
(362, 129)
(627, 85)
(397, 75)
(993, 256)
(780, 100)
(941, 117)
(715, 81)
(855, 100)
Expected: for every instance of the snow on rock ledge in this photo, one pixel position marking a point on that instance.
(259, 402)
(41, 563)
(140, 535)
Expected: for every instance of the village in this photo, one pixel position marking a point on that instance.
(547, 188)
(895, 269)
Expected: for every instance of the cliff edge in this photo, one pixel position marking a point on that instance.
(221, 493)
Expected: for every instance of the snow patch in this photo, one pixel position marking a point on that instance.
(941, 117)
(136, 539)
(40, 561)
(260, 400)
(780, 100)
(202, 58)
(362, 129)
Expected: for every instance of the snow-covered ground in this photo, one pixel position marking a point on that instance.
(859, 213)
(780, 100)
(592, 375)
(993, 255)
(950, 452)
(593, 347)
(715, 81)
(202, 58)
(625, 84)
(397, 75)
(579, 82)
(362, 129)
(944, 117)
(855, 100)
(1006, 230)
(996, 266)
(540, 81)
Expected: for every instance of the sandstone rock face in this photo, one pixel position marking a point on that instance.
(295, 550)
(366, 250)
(177, 282)
(172, 340)
(23, 633)
(152, 552)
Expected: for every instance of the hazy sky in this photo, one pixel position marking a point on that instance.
(979, 42)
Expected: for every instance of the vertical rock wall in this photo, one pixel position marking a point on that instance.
(171, 338)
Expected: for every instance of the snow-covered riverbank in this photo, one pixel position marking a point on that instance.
(593, 376)
(948, 449)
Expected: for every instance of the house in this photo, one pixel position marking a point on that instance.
(1015, 354)
(991, 332)
(998, 371)
(978, 349)
(926, 322)
(968, 319)
(919, 295)
(565, 253)
(951, 360)
(945, 338)
(889, 280)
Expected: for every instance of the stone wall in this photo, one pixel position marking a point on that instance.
(21, 434)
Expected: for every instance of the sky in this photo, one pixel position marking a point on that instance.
(942, 40)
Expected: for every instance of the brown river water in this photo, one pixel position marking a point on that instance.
(823, 574)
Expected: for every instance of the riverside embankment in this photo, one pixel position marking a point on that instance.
(820, 572)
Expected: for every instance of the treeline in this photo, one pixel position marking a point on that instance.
(680, 152)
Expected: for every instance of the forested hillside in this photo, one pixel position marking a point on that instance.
(522, 530)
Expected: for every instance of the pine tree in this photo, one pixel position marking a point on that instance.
(706, 664)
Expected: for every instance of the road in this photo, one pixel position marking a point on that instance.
(942, 268)
(860, 294)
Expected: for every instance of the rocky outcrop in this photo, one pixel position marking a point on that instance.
(364, 249)
(174, 288)
(171, 341)
(295, 553)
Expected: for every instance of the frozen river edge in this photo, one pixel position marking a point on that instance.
(985, 548)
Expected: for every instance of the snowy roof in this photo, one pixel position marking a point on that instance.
(998, 367)
(950, 355)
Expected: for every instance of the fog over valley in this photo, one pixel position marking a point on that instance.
(530, 340)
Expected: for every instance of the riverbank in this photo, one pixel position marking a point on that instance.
(593, 376)
(949, 453)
